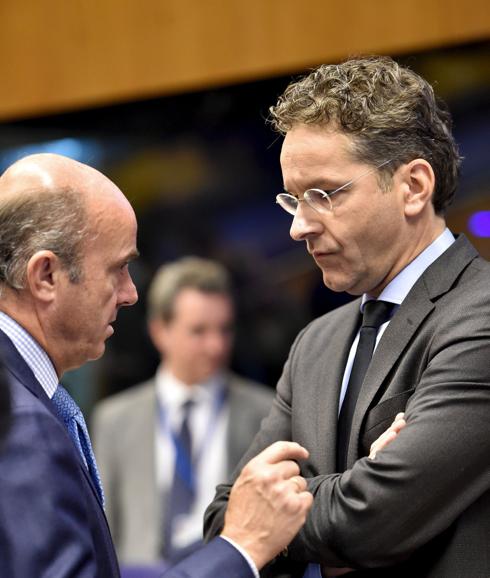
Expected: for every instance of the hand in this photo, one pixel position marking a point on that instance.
(388, 436)
(268, 503)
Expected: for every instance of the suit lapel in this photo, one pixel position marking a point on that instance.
(395, 339)
(434, 282)
(332, 355)
(15, 363)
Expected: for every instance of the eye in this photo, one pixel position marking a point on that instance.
(123, 268)
(319, 195)
(288, 202)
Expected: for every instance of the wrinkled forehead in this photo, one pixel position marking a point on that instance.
(316, 139)
(314, 150)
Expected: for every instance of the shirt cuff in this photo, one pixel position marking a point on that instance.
(249, 560)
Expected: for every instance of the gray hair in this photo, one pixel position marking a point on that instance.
(53, 220)
(389, 111)
(190, 272)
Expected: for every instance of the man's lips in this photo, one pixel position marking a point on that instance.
(321, 254)
(110, 327)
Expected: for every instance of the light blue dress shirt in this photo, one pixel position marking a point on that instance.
(32, 353)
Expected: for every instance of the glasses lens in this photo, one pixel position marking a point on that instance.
(287, 202)
(319, 200)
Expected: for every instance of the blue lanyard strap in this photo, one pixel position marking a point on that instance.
(185, 464)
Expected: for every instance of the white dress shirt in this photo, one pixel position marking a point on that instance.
(208, 426)
(396, 291)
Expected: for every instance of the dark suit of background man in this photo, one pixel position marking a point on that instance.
(137, 433)
(67, 234)
(369, 166)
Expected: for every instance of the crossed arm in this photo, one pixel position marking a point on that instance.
(269, 501)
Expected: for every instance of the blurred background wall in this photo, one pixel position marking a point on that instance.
(169, 99)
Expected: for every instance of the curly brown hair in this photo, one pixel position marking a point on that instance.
(389, 111)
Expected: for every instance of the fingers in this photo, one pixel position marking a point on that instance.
(277, 460)
(282, 451)
(388, 436)
(299, 484)
(268, 503)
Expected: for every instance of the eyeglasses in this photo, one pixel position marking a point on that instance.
(317, 198)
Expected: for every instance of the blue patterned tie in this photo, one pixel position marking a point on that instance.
(74, 421)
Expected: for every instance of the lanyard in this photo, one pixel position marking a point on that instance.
(185, 464)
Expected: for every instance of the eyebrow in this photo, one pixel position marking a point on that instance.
(325, 187)
(133, 255)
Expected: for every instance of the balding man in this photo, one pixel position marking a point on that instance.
(67, 236)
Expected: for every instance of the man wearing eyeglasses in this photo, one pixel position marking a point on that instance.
(369, 167)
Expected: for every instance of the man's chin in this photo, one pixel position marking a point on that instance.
(97, 352)
(342, 285)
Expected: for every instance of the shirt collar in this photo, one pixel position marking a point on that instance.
(399, 287)
(173, 393)
(32, 353)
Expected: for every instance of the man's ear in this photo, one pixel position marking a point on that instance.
(157, 329)
(419, 180)
(43, 275)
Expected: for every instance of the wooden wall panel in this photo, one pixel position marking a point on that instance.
(59, 55)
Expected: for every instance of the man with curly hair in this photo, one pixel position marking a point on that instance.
(369, 166)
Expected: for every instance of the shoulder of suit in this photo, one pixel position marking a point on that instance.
(248, 389)
(22, 399)
(126, 401)
(332, 318)
(30, 414)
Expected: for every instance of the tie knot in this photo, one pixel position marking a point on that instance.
(65, 404)
(187, 406)
(376, 313)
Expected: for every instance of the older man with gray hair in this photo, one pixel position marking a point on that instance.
(67, 234)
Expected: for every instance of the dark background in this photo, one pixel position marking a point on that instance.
(202, 170)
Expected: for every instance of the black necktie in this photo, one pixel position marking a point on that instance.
(181, 495)
(374, 315)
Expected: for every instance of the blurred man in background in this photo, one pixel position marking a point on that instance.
(164, 445)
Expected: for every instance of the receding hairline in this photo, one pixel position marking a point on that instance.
(47, 173)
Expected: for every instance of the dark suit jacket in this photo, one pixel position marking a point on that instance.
(422, 507)
(218, 559)
(52, 524)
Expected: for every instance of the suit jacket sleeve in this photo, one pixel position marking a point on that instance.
(276, 426)
(381, 511)
(218, 558)
(44, 530)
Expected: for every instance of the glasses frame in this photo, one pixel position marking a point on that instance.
(324, 194)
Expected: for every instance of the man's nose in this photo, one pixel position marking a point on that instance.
(129, 294)
(306, 223)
